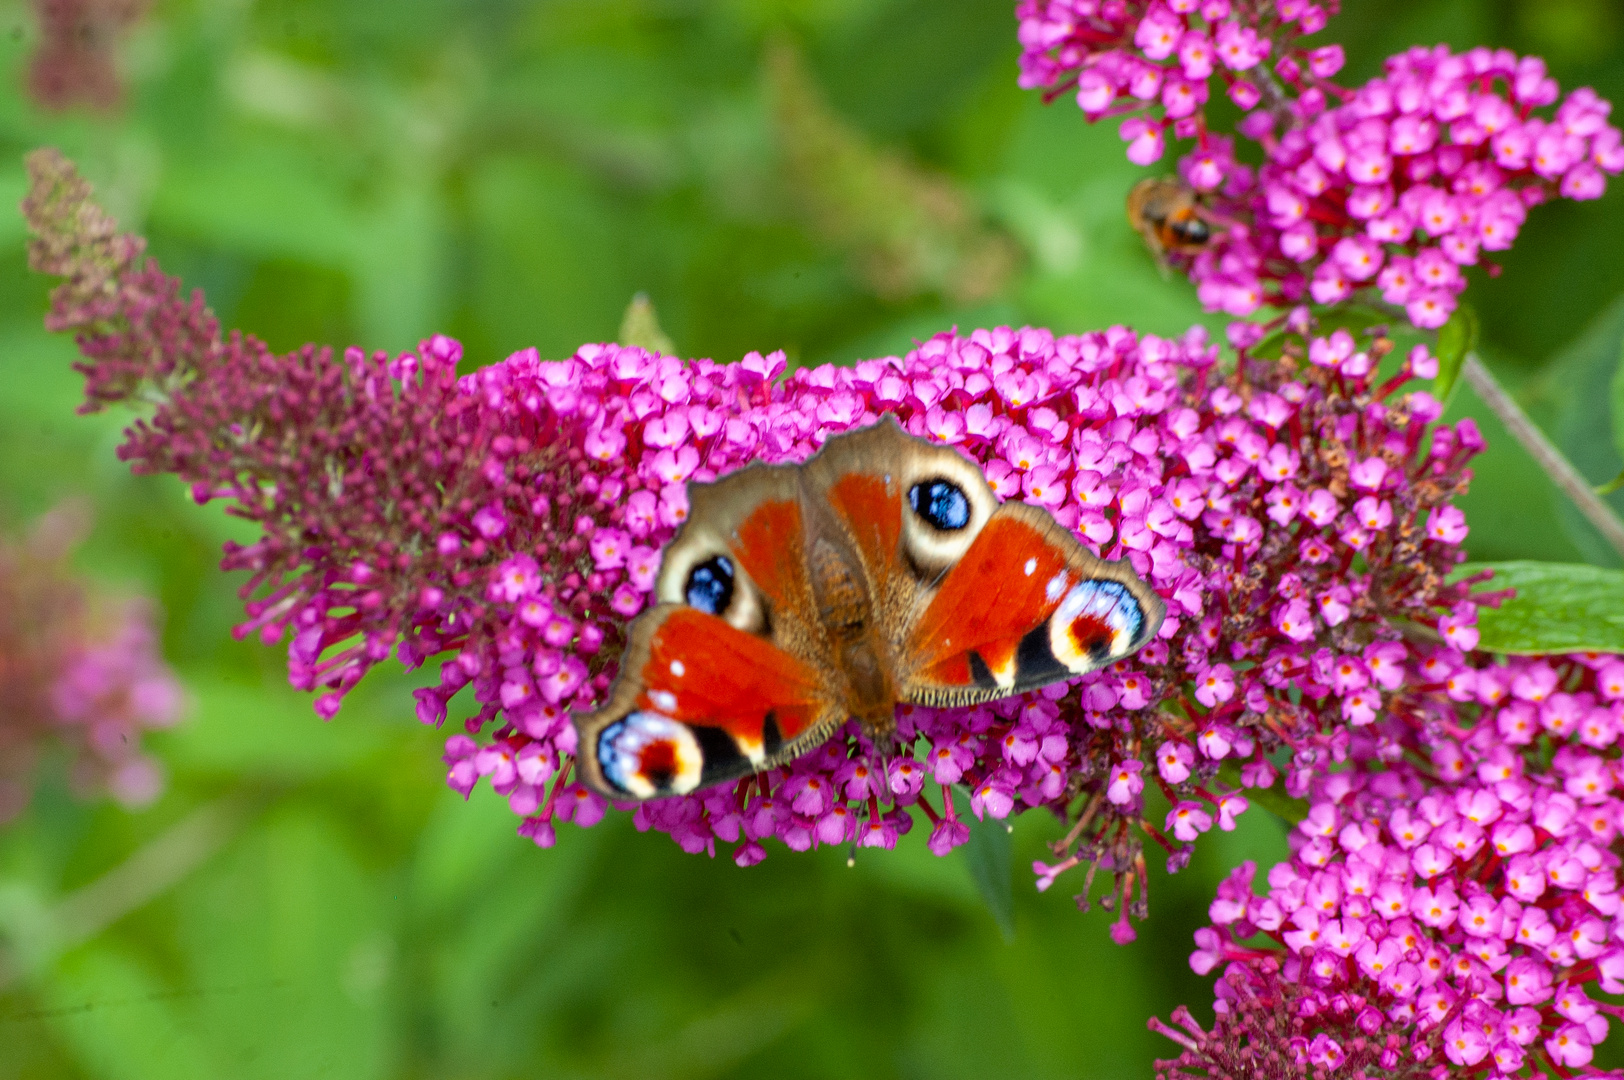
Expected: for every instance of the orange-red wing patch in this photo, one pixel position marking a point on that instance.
(1008, 583)
(770, 544)
(703, 671)
(873, 516)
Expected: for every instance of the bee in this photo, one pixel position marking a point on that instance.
(1167, 215)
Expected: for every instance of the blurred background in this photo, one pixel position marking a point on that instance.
(831, 177)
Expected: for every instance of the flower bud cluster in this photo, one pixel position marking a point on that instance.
(1392, 190)
(1425, 171)
(1155, 61)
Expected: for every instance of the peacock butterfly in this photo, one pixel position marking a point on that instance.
(883, 570)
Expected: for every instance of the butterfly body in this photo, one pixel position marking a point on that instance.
(883, 570)
(858, 652)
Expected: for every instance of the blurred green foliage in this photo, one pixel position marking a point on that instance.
(308, 899)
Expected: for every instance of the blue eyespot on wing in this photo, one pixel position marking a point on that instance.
(698, 702)
(646, 754)
(941, 503)
(710, 585)
(1099, 621)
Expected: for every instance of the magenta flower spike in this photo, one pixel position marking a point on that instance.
(1155, 61)
(1389, 196)
(1385, 193)
(1446, 906)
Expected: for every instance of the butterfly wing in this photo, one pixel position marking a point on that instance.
(1027, 605)
(699, 702)
(728, 674)
(979, 599)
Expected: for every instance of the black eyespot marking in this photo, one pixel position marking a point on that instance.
(710, 585)
(941, 503)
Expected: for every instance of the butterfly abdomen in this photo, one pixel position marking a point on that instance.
(871, 691)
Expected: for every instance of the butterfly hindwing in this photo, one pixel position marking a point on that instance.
(699, 702)
(1025, 606)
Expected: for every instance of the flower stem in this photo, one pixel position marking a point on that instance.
(1543, 451)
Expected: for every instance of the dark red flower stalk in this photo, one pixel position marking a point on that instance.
(386, 489)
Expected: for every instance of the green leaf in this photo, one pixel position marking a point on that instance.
(1558, 608)
(990, 855)
(1612, 485)
(1456, 338)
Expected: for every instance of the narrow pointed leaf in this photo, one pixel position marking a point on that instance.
(640, 326)
(1456, 338)
(990, 856)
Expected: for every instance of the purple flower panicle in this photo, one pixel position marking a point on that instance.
(1296, 517)
(1452, 898)
(1154, 61)
(76, 671)
(1424, 171)
(1387, 192)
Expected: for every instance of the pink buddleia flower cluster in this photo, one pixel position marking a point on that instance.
(1449, 898)
(77, 672)
(1154, 60)
(1244, 500)
(1427, 170)
(1386, 192)
(1294, 514)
